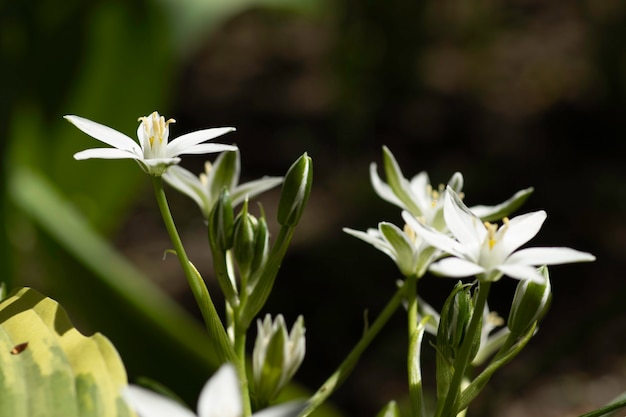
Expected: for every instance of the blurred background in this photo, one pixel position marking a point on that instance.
(513, 94)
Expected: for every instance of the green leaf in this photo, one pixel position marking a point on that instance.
(46, 364)
(390, 410)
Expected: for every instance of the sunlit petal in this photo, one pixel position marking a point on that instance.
(456, 268)
(383, 190)
(549, 256)
(105, 134)
(221, 395)
(105, 153)
(150, 404)
(180, 145)
(466, 227)
(521, 229)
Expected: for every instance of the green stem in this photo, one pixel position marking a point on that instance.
(342, 372)
(413, 360)
(463, 358)
(200, 292)
(606, 409)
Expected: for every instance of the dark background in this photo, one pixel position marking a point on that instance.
(512, 94)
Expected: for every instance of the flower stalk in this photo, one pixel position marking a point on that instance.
(200, 292)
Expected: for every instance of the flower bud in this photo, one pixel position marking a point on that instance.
(250, 243)
(456, 315)
(221, 221)
(276, 356)
(295, 192)
(530, 303)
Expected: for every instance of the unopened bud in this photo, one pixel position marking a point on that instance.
(276, 356)
(530, 303)
(456, 315)
(295, 192)
(221, 221)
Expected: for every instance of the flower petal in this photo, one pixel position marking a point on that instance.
(221, 395)
(105, 134)
(419, 191)
(434, 237)
(383, 190)
(456, 268)
(105, 153)
(495, 213)
(187, 183)
(253, 188)
(180, 145)
(520, 230)
(522, 272)
(374, 239)
(150, 404)
(467, 228)
(549, 256)
(290, 409)
(205, 148)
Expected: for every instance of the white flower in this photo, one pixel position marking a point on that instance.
(411, 254)
(425, 202)
(205, 189)
(153, 153)
(220, 397)
(489, 251)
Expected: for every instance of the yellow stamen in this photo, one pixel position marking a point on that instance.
(434, 199)
(410, 233)
(491, 230)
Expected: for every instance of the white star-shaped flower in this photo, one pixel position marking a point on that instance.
(153, 153)
(220, 397)
(488, 251)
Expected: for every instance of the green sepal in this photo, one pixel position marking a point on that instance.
(390, 410)
(397, 182)
(47, 365)
(499, 211)
(295, 191)
(405, 255)
(224, 172)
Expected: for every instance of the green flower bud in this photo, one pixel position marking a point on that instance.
(530, 303)
(221, 221)
(261, 249)
(276, 356)
(244, 240)
(295, 192)
(456, 315)
(250, 244)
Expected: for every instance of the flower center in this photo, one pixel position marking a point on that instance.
(492, 229)
(156, 131)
